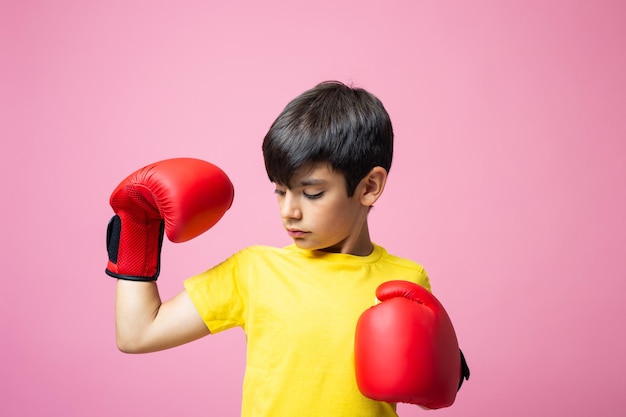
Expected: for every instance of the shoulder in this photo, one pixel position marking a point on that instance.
(404, 267)
(258, 255)
(397, 260)
(256, 251)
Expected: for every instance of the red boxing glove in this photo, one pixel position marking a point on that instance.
(182, 196)
(406, 349)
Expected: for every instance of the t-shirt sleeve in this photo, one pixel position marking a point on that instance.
(219, 294)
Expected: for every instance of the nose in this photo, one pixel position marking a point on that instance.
(289, 207)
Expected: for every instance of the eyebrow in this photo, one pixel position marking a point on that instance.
(307, 182)
(312, 181)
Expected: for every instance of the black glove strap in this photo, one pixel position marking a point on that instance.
(114, 229)
(465, 371)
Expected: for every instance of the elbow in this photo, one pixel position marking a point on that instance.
(127, 344)
(125, 347)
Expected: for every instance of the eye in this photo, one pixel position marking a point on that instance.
(313, 196)
(279, 192)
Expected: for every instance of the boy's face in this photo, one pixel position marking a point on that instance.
(318, 214)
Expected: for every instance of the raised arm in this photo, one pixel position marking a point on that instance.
(182, 197)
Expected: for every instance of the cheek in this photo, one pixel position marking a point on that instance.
(338, 218)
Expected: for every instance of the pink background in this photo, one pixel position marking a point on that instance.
(508, 185)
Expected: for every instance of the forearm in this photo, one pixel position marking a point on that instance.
(137, 305)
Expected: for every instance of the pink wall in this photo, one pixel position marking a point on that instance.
(508, 184)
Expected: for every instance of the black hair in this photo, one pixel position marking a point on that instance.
(347, 127)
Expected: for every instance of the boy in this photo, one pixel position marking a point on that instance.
(328, 153)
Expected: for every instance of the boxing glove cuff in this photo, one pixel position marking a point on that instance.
(134, 262)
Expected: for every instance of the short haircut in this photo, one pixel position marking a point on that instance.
(346, 127)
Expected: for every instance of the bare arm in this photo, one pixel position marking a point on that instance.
(145, 324)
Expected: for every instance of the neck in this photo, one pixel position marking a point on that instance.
(358, 244)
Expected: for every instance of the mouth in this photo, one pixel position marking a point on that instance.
(296, 233)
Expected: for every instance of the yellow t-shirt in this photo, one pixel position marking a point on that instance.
(299, 310)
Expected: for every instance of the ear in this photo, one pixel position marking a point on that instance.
(372, 185)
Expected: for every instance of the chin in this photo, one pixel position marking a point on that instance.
(302, 244)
